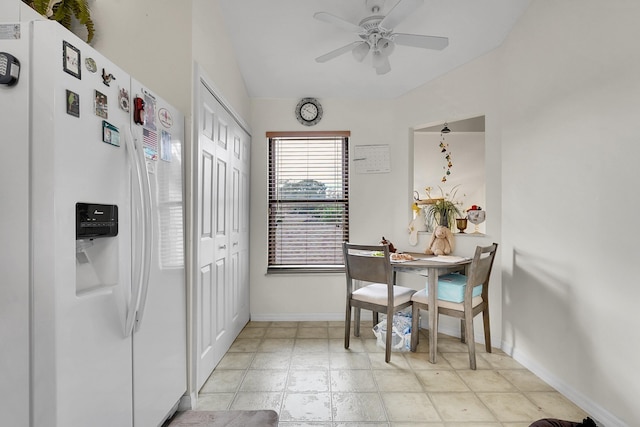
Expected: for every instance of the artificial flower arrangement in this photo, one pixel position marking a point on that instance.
(445, 209)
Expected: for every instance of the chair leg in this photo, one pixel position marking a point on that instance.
(356, 322)
(471, 344)
(415, 326)
(487, 329)
(376, 319)
(462, 332)
(387, 349)
(347, 326)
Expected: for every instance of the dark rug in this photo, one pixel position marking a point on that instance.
(263, 418)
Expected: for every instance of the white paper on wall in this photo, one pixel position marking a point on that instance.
(371, 159)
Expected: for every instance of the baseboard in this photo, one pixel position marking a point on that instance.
(452, 328)
(302, 317)
(597, 412)
(188, 402)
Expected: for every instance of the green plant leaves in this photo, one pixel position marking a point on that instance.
(64, 11)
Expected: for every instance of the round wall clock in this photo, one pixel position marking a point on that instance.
(308, 111)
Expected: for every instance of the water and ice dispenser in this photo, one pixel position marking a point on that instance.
(96, 248)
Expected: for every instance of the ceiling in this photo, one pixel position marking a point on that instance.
(276, 43)
(473, 124)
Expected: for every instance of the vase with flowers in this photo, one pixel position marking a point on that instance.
(445, 209)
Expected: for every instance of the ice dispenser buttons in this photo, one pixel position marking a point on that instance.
(95, 220)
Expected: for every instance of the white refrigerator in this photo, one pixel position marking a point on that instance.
(93, 298)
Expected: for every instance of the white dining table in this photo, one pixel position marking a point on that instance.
(431, 266)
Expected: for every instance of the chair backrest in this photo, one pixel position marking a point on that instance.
(480, 270)
(360, 263)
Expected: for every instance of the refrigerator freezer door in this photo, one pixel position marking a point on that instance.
(159, 342)
(14, 235)
(81, 357)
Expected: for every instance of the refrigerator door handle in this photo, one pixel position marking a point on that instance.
(138, 246)
(148, 226)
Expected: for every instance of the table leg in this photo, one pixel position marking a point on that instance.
(433, 314)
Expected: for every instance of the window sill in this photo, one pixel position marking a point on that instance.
(306, 269)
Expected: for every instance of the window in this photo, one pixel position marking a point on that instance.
(308, 200)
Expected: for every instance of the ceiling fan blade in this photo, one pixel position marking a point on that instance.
(338, 22)
(337, 52)
(399, 12)
(425, 42)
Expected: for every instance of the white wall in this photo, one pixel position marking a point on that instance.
(151, 40)
(570, 97)
(157, 41)
(320, 296)
(213, 51)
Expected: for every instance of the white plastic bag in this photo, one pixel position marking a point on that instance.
(401, 331)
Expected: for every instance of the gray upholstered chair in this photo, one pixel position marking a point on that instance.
(371, 264)
(472, 299)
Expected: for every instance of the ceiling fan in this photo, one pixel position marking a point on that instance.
(376, 34)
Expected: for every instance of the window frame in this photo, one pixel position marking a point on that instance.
(273, 201)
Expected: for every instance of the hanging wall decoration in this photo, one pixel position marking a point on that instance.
(444, 149)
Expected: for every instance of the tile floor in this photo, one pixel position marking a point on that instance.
(302, 371)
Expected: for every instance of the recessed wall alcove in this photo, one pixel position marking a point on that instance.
(451, 162)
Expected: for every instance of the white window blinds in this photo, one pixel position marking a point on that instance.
(308, 199)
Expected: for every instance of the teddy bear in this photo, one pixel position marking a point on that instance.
(441, 242)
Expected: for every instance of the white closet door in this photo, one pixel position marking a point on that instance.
(239, 299)
(222, 206)
(221, 306)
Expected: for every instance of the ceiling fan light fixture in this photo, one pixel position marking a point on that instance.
(383, 69)
(380, 63)
(361, 51)
(376, 33)
(377, 59)
(386, 46)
